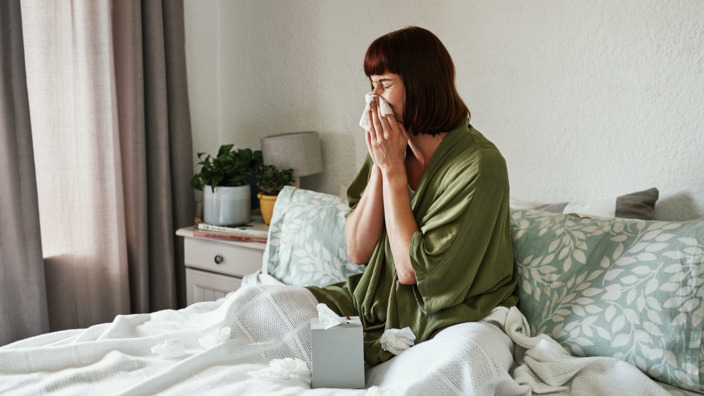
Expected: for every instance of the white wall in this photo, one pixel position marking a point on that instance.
(586, 100)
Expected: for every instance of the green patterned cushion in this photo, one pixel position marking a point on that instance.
(306, 245)
(631, 289)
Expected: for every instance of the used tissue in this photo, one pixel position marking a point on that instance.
(287, 368)
(328, 318)
(215, 338)
(397, 341)
(383, 106)
(170, 349)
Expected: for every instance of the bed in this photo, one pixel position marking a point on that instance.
(608, 306)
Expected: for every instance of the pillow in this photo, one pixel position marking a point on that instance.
(630, 289)
(306, 244)
(637, 205)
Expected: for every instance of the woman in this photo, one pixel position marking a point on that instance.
(429, 212)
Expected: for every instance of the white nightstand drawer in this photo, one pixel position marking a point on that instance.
(222, 257)
(206, 286)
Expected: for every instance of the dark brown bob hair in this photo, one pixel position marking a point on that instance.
(417, 55)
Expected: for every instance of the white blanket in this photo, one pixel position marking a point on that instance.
(268, 322)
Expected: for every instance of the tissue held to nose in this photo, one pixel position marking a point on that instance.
(384, 107)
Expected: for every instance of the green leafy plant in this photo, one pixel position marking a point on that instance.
(272, 180)
(229, 168)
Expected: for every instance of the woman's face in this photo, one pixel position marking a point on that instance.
(390, 87)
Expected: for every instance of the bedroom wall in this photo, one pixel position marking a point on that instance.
(586, 100)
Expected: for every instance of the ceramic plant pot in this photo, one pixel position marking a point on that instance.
(266, 204)
(227, 205)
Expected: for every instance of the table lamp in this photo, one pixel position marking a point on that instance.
(297, 150)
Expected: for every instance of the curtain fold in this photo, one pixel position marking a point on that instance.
(158, 153)
(129, 89)
(23, 307)
(155, 122)
(106, 85)
(177, 193)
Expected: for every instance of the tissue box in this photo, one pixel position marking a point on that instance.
(338, 355)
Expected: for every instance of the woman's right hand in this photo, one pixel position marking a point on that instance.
(386, 139)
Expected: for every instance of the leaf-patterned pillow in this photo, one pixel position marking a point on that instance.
(306, 244)
(630, 289)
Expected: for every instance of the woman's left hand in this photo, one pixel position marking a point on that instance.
(386, 139)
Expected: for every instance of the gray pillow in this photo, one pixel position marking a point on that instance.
(637, 205)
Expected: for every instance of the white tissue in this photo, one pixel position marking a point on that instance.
(376, 391)
(383, 106)
(287, 368)
(397, 341)
(215, 338)
(169, 349)
(328, 318)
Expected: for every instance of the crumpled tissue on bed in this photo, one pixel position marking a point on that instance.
(383, 106)
(377, 391)
(397, 341)
(327, 317)
(287, 368)
(170, 349)
(215, 338)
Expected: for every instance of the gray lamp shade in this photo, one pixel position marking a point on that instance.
(297, 150)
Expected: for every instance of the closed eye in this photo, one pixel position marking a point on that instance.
(386, 83)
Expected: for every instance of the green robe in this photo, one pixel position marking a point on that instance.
(461, 253)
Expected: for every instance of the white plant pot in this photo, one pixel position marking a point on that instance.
(227, 205)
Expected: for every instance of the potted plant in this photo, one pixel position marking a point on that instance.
(271, 181)
(223, 180)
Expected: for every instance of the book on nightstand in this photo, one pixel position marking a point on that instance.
(253, 232)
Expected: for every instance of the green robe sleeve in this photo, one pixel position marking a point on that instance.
(462, 252)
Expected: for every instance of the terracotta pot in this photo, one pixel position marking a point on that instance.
(266, 205)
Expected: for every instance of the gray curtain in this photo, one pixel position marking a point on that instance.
(152, 99)
(106, 91)
(23, 309)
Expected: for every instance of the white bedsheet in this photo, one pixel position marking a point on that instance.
(272, 322)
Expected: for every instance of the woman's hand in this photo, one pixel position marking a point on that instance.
(386, 139)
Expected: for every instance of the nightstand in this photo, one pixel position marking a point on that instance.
(215, 267)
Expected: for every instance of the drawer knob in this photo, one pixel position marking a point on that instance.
(218, 259)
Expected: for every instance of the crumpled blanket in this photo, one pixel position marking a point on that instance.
(544, 366)
(272, 322)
